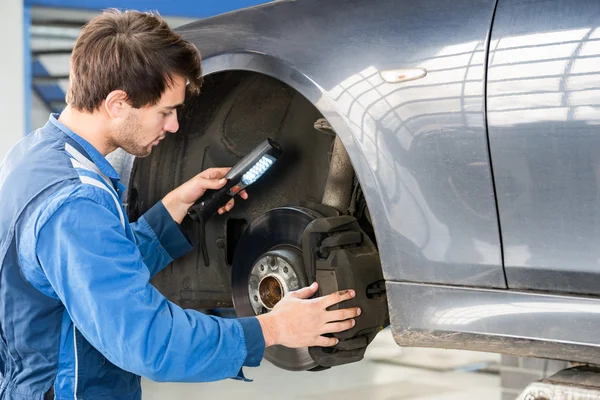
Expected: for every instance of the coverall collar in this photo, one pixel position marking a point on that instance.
(94, 155)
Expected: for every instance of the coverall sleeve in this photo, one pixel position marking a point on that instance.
(159, 238)
(99, 275)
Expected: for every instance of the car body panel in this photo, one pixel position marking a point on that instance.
(419, 148)
(520, 323)
(543, 100)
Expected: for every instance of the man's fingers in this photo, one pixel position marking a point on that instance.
(337, 297)
(242, 194)
(334, 327)
(211, 183)
(214, 173)
(340, 315)
(227, 207)
(306, 292)
(326, 342)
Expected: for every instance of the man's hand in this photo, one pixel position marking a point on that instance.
(179, 200)
(297, 321)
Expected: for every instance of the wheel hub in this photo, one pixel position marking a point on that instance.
(272, 277)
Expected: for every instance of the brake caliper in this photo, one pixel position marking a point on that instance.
(339, 255)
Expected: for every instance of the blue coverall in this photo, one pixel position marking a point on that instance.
(78, 316)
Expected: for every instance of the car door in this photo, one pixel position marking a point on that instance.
(543, 113)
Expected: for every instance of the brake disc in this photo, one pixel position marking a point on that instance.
(267, 264)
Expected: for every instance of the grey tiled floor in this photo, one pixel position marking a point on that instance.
(388, 372)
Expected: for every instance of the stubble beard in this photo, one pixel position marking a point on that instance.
(130, 137)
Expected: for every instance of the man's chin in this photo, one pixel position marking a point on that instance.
(143, 155)
(139, 153)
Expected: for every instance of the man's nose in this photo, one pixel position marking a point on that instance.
(172, 124)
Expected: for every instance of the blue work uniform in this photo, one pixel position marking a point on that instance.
(78, 316)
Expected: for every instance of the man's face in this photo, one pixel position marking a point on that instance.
(144, 128)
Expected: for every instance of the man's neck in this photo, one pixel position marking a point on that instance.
(89, 126)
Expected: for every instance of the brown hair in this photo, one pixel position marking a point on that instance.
(132, 51)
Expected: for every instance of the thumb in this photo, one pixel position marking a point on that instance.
(306, 292)
(205, 183)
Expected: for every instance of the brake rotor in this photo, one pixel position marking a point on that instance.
(267, 264)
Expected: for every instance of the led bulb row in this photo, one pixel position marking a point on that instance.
(257, 170)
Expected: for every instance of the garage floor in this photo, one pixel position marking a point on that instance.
(388, 372)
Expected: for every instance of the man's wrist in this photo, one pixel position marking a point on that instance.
(269, 327)
(175, 207)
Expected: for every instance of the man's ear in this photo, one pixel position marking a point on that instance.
(116, 104)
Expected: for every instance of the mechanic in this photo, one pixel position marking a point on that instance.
(78, 316)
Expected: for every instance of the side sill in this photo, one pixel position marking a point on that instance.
(498, 321)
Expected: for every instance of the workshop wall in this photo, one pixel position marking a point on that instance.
(12, 74)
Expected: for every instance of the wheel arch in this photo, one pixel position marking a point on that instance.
(278, 69)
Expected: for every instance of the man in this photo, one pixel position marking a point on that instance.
(78, 317)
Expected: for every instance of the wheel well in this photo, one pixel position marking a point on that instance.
(234, 112)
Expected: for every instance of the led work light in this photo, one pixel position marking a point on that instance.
(243, 174)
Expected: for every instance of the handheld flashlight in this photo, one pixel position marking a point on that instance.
(243, 174)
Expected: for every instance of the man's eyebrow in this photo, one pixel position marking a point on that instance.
(176, 106)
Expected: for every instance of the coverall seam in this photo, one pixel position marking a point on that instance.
(155, 241)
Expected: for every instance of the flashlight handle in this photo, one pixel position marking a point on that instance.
(210, 202)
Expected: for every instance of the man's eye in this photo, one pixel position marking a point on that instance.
(166, 114)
